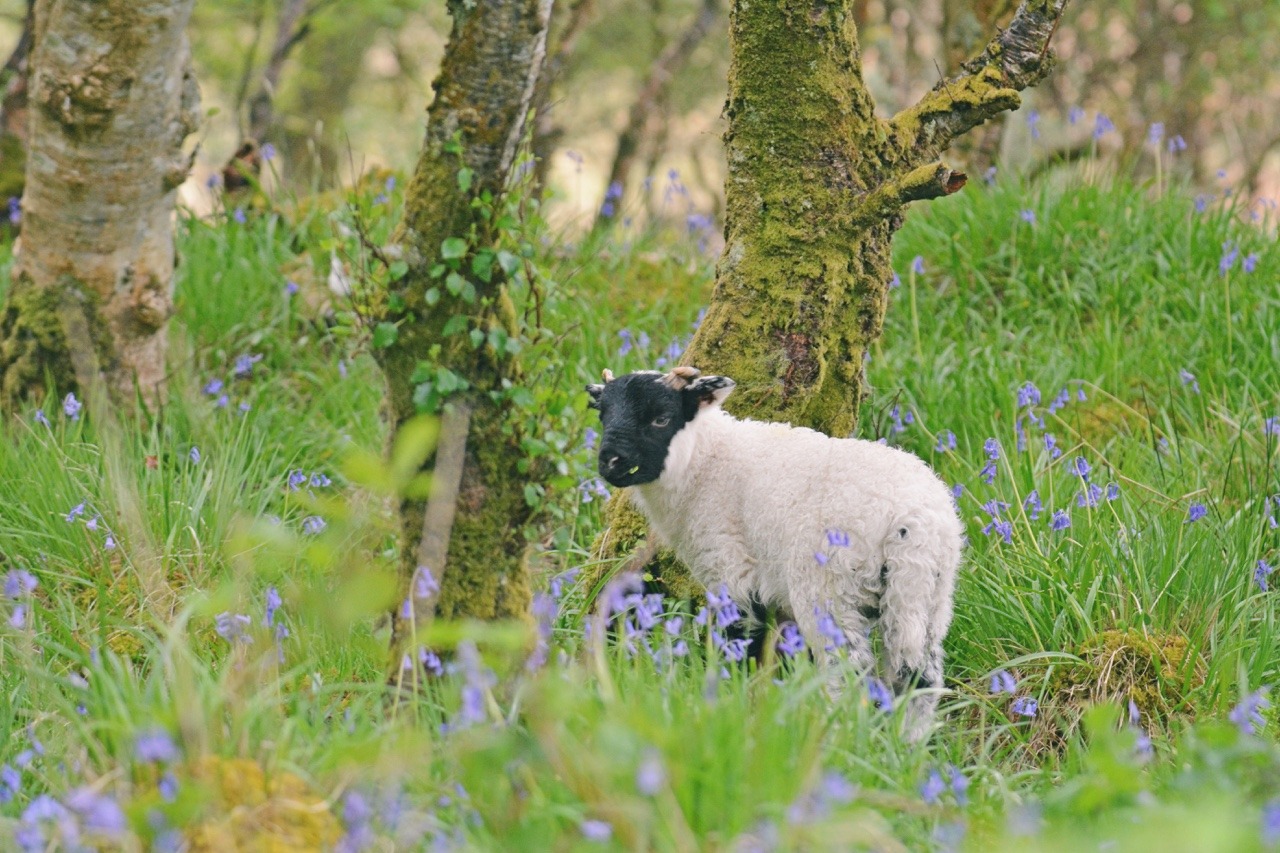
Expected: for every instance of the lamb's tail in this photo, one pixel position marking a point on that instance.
(921, 560)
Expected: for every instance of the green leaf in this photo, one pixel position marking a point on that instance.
(453, 248)
(468, 292)
(385, 334)
(455, 324)
(454, 283)
(397, 270)
(509, 262)
(464, 179)
(477, 337)
(432, 295)
(437, 270)
(482, 265)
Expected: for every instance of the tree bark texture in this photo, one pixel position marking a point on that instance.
(13, 111)
(817, 186)
(112, 100)
(651, 94)
(475, 545)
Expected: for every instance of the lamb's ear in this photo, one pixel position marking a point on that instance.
(709, 390)
(594, 391)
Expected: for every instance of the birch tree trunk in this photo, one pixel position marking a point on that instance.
(817, 186)
(112, 99)
(469, 532)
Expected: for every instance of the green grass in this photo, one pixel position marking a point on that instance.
(1114, 292)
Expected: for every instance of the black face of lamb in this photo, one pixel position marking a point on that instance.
(640, 416)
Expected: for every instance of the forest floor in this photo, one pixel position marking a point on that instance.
(191, 651)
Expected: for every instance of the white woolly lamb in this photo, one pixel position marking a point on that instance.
(815, 526)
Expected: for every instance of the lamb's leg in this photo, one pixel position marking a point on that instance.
(916, 612)
(823, 622)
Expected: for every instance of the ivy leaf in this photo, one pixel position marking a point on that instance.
(453, 248)
(482, 265)
(509, 262)
(455, 324)
(432, 296)
(385, 334)
(454, 283)
(464, 179)
(397, 270)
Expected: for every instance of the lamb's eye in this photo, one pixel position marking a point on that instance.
(661, 421)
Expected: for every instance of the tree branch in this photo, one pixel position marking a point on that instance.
(923, 182)
(987, 85)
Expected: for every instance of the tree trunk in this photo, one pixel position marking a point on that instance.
(113, 99)
(469, 531)
(817, 186)
(965, 25)
(651, 95)
(546, 131)
(290, 29)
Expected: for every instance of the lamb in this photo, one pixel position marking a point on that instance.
(823, 529)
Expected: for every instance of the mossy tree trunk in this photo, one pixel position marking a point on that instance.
(469, 533)
(817, 186)
(13, 111)
(112, 100)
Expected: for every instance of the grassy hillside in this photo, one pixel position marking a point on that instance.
(191, 651)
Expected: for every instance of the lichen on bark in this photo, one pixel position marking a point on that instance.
(817, 186)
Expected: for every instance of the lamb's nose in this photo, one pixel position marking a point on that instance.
(611, 462)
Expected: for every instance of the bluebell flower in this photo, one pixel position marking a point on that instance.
(959, 784)
(76, 511)
(989, 176)
(735, 650)
(1033, 123)
(598, 831)
(558, 582)
(1228, 260)
(1061, 520)
(15, 210)
(10, 783)
(1025, 705)
(1089, 495)
(1248, 714)
(790, 640)
(195, 455)
(917, 265)
(319, 481)
(650, 775)
(1201, 202)
(1028, 395)
(154, 746)
(168, 788)
(1155, 134)
(296, 480)
(1189, 378)
(828, 628)
(239, 216)
(1260, 574)
(627, 344)
(1176, 144)
(1074, 115)
(1060, 401)
(1028, 216)
(291, 288)
(1033, 505)
(1195, 512)
(946, 441)
(71, 406)
(40, 418)
(268, 151)
(1102, 126)
(593, 488)
(589, 437)
(223, 400)
(1250, 262)
(233, 627)
(932, 788)
(1002, 681)
(99, 813)
(837, 539)
(1271, 822)
(1081, 467)
(425, 584)
(213, 386)
(19, 582)
(723, 605)
(1113, 492)
(272, 605)
(1051, 445)
(244, 364)
(313, 525)
(879, 692)
(895, 282)
(820, 558)
(18, 617)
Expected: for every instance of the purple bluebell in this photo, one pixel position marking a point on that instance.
(1155, 134)
(1271, 426)
(71, 406)
(99, 813)
(1028, 395)
(895, 282)
(1189, 378)
(735, 650)
(1074, 115)
(76, 511)
(244, 364)
(828, 628)
(1033, 505)
(959, 784)
(1195, 512)
(558, 582)
(946, 441)
(1260, 574)
(19, 582)
(790, 640)
(425, 584)
(15, 210)
(589, 438)
(1021, 432)
(273, 604)
(154, 746)
(627, 342)
(1060, 401)
(1061, 520)
(1025, 705)
(650, 775)
(1250, 262)
(18, 617)
(933, 787)
(194, 455)
(40, 418)
(1089, 496)
(1051, 445)
(213, 386)
(1033, 123)
(820, 558)
(1113, 491)
(296, 480)
(837, 539)
(319, 481)
(1271, 822)
(989, 176)
(1102, 125)
(956, 491)
(239, 216)
(1230, 252)
(1027, 215)
(1176, 144)
(1248, 714)
(1002, 681)
(313, 525)
(917, 265)
(725, 608)
(233, 627)
(222, 401)
(598, 831)
(879, 692)
(593, 488)
(1081, 467)
(291, 288)
(109, 543)
(168, 787)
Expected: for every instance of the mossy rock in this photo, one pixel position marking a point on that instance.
(249, 809)
(1154, 671)
(623, 536)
